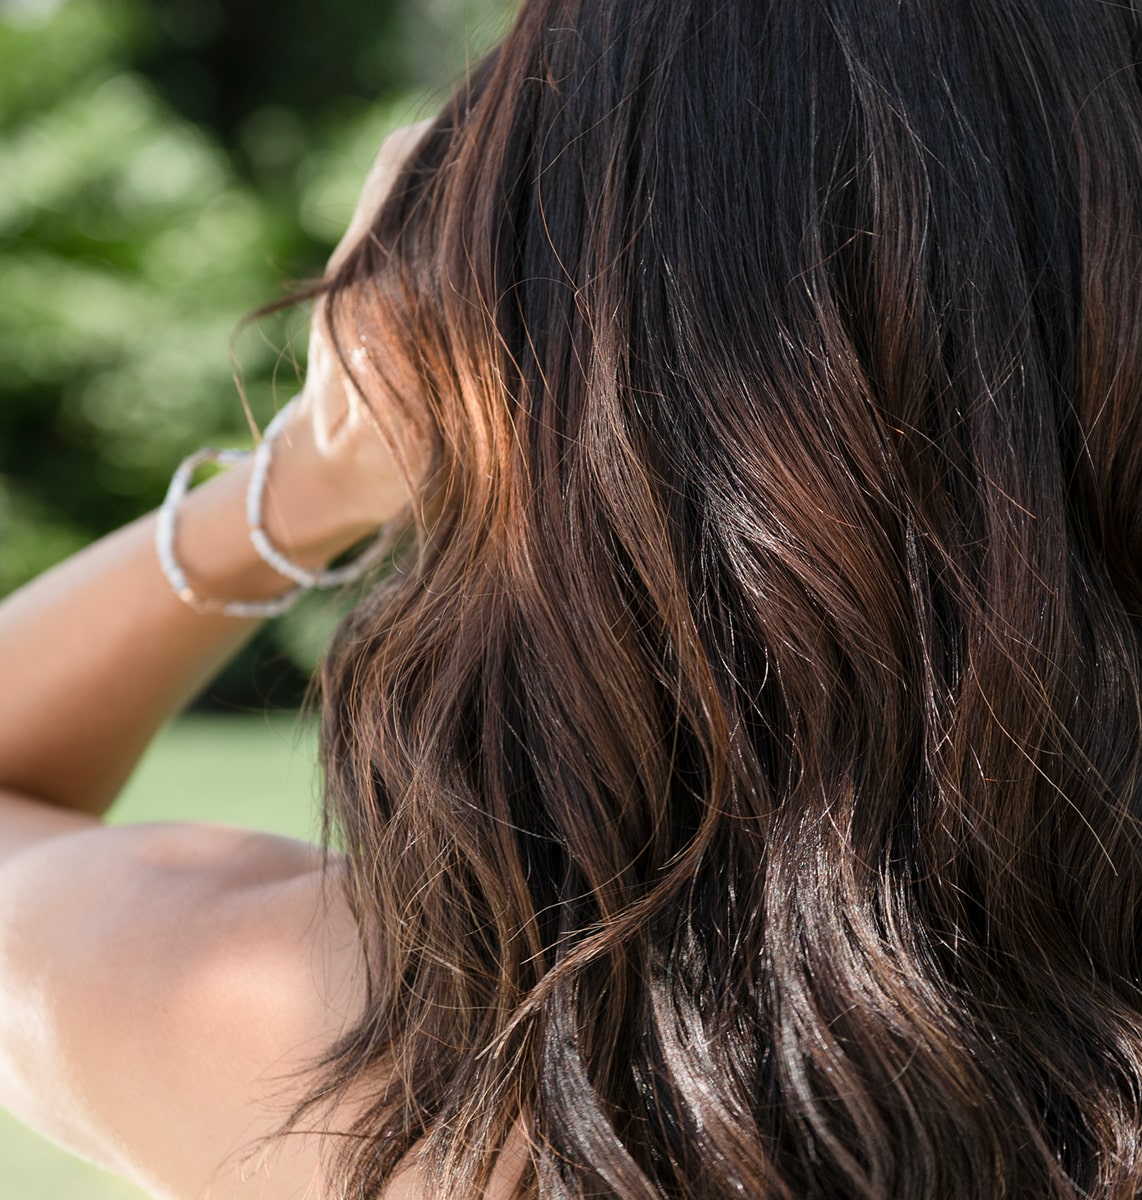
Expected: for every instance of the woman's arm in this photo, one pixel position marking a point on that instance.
(99, 652)
(158, 984)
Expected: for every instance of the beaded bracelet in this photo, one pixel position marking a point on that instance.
(305, 580)
(165, 528)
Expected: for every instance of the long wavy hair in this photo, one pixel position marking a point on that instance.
(740, 772)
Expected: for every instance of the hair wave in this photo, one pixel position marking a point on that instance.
(741, 776)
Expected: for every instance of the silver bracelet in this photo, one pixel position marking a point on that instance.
(269, 553)
(165, 529)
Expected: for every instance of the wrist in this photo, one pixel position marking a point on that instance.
(212, 545)
(330, 483)
(278, 518)
(310, 512)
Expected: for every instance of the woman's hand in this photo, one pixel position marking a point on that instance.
(334, 436)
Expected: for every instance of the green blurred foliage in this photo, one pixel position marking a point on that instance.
(166, 167)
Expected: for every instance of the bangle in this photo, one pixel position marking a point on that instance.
(304, 580)
(165, 528)
(268, 552)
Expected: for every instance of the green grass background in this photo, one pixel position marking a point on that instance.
(254, 771)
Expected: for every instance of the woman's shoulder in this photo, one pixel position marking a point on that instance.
(165, 987)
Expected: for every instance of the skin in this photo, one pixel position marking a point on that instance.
(160, 986)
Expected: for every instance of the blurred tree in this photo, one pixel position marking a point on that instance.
(166, 167)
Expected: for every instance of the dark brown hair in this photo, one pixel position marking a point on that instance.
(740, 779)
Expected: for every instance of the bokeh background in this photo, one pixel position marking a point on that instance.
(166, 167)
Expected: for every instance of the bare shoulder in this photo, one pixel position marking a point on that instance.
(164, 987)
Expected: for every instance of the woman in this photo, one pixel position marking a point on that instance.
(738, 778)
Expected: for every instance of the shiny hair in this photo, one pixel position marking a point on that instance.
(740, 771)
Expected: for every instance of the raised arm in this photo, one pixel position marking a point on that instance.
(99, 652)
